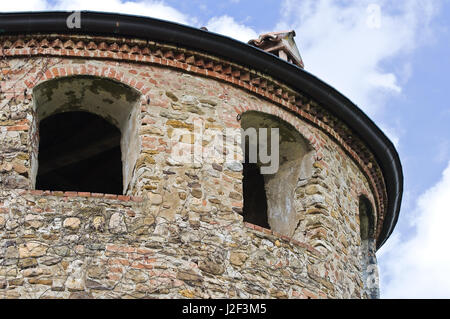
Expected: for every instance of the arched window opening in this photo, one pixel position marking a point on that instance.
(79, 151)
(85, 135)
(269, 197)
(255, 200)
(368, 248)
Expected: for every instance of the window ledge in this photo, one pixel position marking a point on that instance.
(284, 238)
(124, 198)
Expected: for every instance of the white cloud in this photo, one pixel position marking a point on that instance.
(419, 267)
(156, 9)
(226, 25)
(443, 151)
(343, 43)
(24, 5)
(150, 8)
(346, 43)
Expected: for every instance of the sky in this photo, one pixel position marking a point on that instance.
(392, 59)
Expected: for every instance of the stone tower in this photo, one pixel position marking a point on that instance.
(126, 166)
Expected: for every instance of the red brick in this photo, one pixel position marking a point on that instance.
(112, 247)
(249, 225)
(55, 72)
(139, 265)
(137, 199)
(118, 261)
(110, 196)
(258, 228)
(84, 194)
(144, 251)
(308, 294)
(114, 277)
(18, 128)
(70, 194)
(48, 74)
(149, 260)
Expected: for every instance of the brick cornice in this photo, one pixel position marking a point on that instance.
(141, 51)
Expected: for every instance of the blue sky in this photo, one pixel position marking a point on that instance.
(392, 58)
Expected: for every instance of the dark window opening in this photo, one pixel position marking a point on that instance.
(79, 151)
(368, 249)
(255, 200)
(365, 219)
(270, 183)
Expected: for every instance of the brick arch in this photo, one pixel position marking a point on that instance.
(286, 117)
(317, 145)
(363, 195)
(55, 72)
(277, 189)
(117, 102)
(88, 77)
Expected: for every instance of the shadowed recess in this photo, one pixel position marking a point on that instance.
(255, 200)
(368, 258)
(269, 198)
(79, 151)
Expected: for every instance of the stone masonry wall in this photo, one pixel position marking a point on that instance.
(179, 232)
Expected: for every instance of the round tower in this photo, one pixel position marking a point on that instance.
(143, 158)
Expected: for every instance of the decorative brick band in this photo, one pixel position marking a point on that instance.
(141, 51)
